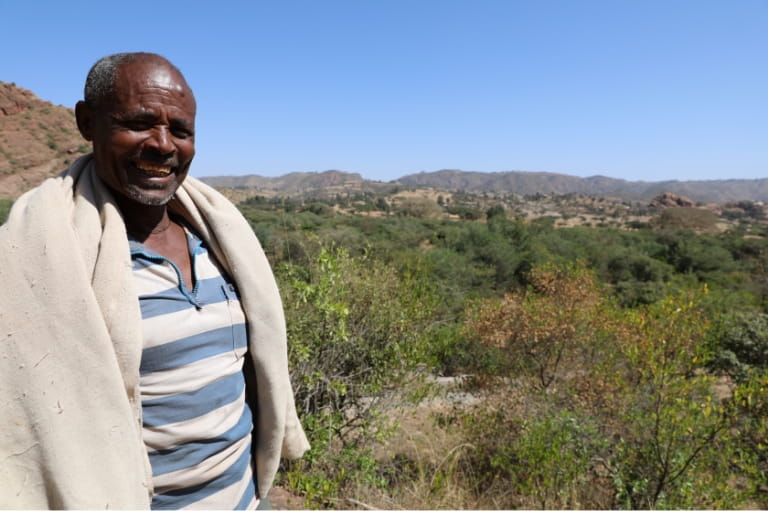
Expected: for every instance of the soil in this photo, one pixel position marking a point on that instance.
(280, 498)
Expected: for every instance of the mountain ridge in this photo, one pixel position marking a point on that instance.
(518, 182)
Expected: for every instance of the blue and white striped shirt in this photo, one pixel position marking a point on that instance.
(196, 421)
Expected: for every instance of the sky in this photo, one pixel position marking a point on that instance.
(643, 90)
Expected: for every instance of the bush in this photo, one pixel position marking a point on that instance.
(742, 345)
(697, 219)
(418, 208)
(355, 332)
(750, 405)
(536, 331)
(622, 390)
(546, 458)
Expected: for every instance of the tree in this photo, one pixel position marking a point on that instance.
(536, 330)
(631, 380)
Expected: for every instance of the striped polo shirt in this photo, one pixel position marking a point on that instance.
(196, 421)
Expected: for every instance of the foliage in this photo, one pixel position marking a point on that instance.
(750, 407)
(686, 218)
(5, 207)
(355, 328)
(633, 378)
(418, 208)
(545, 457)
(639, 279)
(552, 458)
(742, 209)
(536, 331)
(675, 424)
(742, 344)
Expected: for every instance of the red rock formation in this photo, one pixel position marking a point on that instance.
(670, 200)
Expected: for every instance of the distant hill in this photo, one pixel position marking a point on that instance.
(523, 183)
(528, 183)
(39, 139)
(293, 183)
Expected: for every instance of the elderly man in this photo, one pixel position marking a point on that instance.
(143, 355)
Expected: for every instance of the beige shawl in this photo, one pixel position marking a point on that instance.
(70, 345)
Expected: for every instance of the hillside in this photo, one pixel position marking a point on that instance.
(299, 183)
(37, 140)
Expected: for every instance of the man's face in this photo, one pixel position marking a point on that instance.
(143, 136)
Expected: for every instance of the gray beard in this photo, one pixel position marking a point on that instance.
(137, 194)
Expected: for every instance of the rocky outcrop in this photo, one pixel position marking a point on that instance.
(14, 100)
(670, 200)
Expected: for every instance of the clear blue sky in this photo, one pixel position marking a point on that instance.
(641, 90)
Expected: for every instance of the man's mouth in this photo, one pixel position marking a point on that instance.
(154, 170)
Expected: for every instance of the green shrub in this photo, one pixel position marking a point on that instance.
(742, 344)
(697, 219)
(356, 331)
(547, 458)
(633, 377)
(418, 207)
(750, 405)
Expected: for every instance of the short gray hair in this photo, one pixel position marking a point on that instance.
(100, 83)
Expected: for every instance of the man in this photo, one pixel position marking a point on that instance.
(143, 354)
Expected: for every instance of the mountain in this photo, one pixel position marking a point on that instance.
(529, 183)
(293, 183)
(518, 182)
(37, 140)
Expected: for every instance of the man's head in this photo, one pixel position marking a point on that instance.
(139, 113)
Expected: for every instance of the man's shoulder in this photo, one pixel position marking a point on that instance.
(52, 189)
(52, 200)
(202, 185)
(206, 194)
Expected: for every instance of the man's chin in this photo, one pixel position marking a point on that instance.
(150, 197)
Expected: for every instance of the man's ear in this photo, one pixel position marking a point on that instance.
(84, 117)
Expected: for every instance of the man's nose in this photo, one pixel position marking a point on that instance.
(161, 140)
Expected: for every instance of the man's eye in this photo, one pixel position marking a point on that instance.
(138, 125)
(181, 132)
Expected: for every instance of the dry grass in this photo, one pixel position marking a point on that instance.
(422, 460)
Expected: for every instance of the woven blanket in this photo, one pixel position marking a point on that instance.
(70, 345)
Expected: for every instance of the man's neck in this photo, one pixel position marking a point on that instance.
(143, 221)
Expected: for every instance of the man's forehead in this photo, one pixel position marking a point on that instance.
(138, 78)
(164, 77)
(152, 73)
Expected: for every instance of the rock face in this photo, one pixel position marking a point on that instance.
(14, 99)
(670, 200)
(37, 140)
